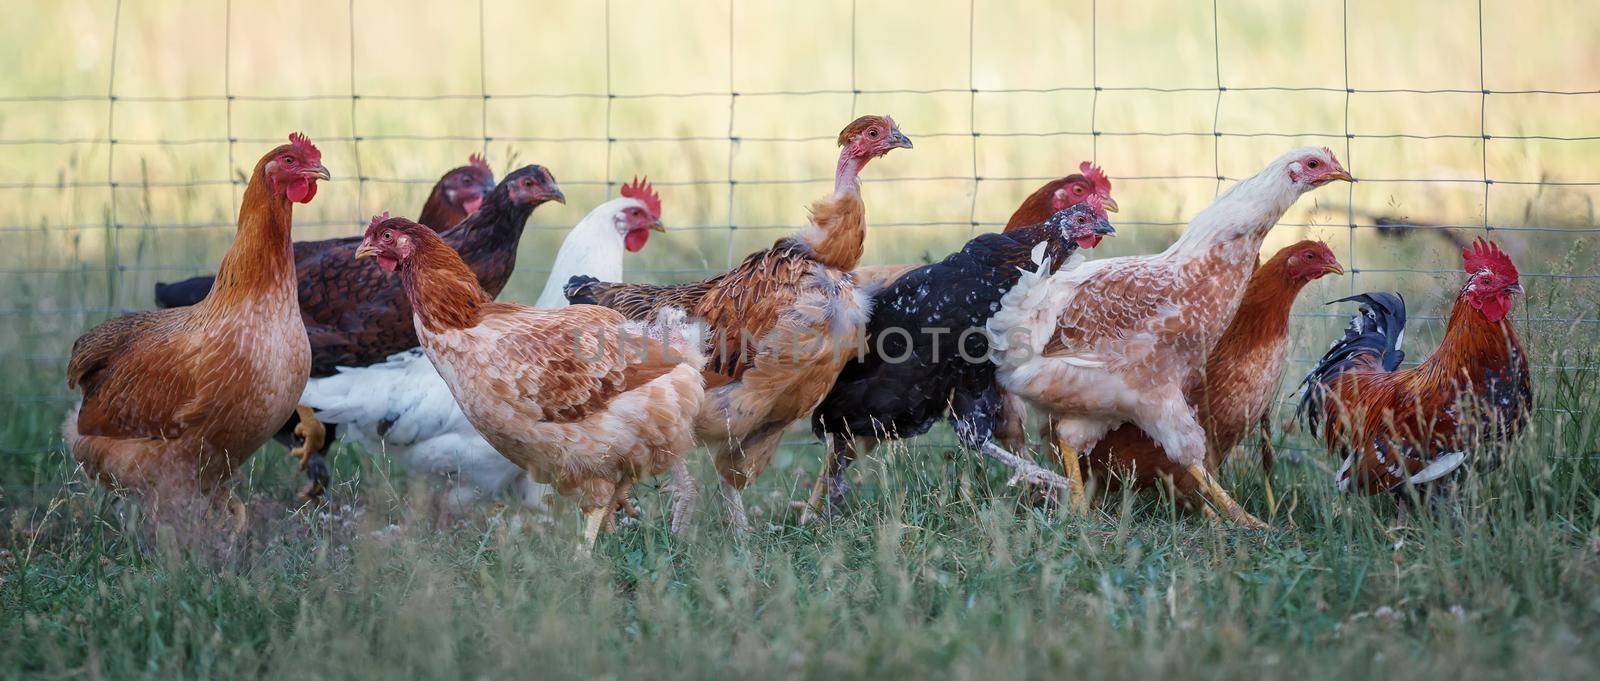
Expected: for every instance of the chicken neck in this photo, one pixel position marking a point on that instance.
(260, 262)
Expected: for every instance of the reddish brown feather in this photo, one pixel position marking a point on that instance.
(1235, 391)
(176, 399)
(1419, 409)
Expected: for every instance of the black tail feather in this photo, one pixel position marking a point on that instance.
(582, 289)
(1378, 328)
(184, 293)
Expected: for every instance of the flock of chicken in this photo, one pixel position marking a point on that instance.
(1146, 368)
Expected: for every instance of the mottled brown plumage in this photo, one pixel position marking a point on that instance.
(1121, 340)
(781, 323)
(174, 401)
(1241, 371)
(578, 396)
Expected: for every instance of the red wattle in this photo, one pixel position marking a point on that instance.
(387, 263)
(471, 205)
(635, 239)
(1089, 241)
(302, 190)
(1494, 308)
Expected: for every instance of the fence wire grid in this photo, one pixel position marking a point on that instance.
(50, 323)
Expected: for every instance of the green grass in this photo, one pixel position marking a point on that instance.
(934, 568)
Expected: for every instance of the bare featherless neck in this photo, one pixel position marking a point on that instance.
(262, 255)
(443, 291)
(847, 175)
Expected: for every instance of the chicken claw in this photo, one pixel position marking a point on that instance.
(1230, 509)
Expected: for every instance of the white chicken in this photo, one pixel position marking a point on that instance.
(403, 407)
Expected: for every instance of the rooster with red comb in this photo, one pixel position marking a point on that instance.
(1396, 427)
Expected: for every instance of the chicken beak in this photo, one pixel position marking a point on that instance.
(1333, 268)
(365, 250)
(1341, 174)
(898, 140)
(657, 226)
(553, 193)
(1109, 204)
(1516, 289)
(319, 171)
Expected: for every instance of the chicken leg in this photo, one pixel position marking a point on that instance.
(593, 519)
(1266, 445)
(1079, 504)
(735, 501)
(684, 495)
(313, 438)
(1230, 509)
(240, 512)
(828, 492)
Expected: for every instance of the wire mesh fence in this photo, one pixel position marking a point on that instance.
(105, 176)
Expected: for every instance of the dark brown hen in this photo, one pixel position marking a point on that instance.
(356, 314)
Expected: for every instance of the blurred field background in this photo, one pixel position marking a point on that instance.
(126, 129)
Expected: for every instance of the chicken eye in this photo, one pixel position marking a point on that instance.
(388, 236)
(1313, 163)
(872, 133)
(1077, 190)
(288, 160)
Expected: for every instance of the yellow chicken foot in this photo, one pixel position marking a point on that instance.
(1230, 509)
(313, 436)
(1079, 504)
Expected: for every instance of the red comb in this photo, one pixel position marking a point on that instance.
(1485, 255)
(378, 219)
(641, 190)
(303, 144)
(476, 161)
(1102, 184)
